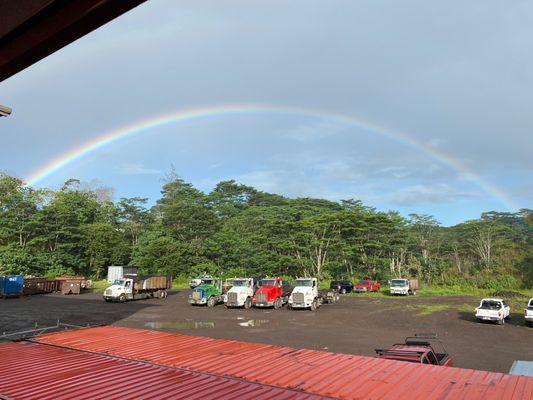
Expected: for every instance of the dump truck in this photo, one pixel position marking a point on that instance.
(273, 292)
(528, 313)
(421, 348)
(209, 293)
(241, 293)
(403, 286)
(133, 287)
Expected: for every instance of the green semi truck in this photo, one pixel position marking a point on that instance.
(209, 293)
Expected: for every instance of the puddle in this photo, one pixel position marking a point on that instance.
(255, 323)
(188, 324)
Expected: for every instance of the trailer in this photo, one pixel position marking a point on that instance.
(132, 287)
(40, 285)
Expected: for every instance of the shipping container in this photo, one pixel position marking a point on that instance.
(35, 285)
(11, 285)
(318, 372)
(34, 371)
(115, 272)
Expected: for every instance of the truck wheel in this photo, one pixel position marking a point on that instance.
(211, 302)
(277, 303)
(163, 294)
(343, 291)
(314, 305)
(248, 303)
(501, 321)
(122, 298)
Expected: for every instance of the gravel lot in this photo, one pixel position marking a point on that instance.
(355, 325)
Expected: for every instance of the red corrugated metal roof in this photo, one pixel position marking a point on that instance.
(322, 373)
(37, 371)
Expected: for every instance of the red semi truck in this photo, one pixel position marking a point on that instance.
(273, 292)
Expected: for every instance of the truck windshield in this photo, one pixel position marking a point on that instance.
(398, 282)
(364, 282)
(268, 282)
(491, 305)
(207, 282)
(119, 282)
(240, 282)
(304, 282)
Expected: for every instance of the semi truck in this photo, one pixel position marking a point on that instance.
(209, 293)
(273, 292)
(132, 287)
(241, 293)
(403, 286)
(306, 295)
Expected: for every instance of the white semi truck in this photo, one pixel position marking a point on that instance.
(241, 293)
(131, 287)
(306, 295)
(528, 313)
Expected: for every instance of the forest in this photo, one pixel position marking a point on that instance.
(236, 230)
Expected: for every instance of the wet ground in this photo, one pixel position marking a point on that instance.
(355, 325)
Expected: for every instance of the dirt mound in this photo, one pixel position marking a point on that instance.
(507, 294)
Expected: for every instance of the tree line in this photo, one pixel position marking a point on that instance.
(236, 230)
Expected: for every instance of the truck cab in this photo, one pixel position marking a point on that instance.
(209, 293)
(241, 293)
(421, 349)
(496, 310)
(121, 290)
(305, 294)
(272, 292)
(528, 313)
(403, 286)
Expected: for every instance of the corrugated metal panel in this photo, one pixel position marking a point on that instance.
(36, 371)
(322, 373)
(520, 367)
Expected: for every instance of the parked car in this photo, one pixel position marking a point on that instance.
(493, 310)
(341, 286)
(421, 348)
(367, 285)
(528, 313)
(403, 286)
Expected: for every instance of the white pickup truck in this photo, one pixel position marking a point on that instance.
(528, 313)
(493, 310)
(241, 293)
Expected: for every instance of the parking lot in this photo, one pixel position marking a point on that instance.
(357, 324)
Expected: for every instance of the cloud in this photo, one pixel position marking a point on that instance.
(426, 194)
(135, 169)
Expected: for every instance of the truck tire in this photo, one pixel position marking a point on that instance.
(211, 302)
(343, 291)
(248, 303)
(278, 303)
(163, 294)
(501, 321)
(122, 298)
(314, 305)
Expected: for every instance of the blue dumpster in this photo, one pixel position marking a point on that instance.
(11, 285)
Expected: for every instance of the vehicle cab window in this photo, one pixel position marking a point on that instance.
(432, 359)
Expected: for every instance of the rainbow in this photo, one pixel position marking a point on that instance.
(188, 115)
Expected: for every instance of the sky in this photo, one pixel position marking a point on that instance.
(421, 107)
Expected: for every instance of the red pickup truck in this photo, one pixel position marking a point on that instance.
(273, 292)
(367, 285)
(418, 349)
